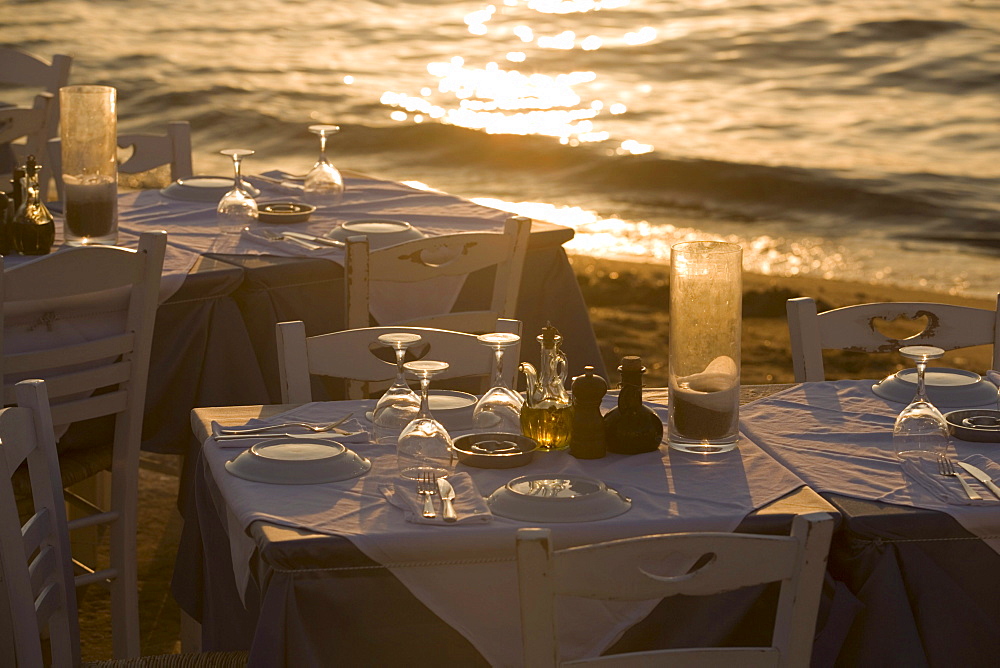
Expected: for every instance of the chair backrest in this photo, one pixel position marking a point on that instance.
(149, 151)
(627, 570)
(36, 566)
(30, 124)
(20, 68)
(349, 355)
(82, 320)
(432, 257)
(854, 328)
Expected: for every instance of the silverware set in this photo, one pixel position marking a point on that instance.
(241, 432)
(947, 469)
(429, 486)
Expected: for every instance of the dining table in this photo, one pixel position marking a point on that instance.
(341, 572)
(221, 295)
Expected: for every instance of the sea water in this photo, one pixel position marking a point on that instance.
(852, 139)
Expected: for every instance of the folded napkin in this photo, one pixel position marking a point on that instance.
(351, 430)
(948, 489)
(470, 506)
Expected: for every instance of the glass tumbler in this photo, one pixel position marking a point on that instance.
(706, 295)
(88, 127)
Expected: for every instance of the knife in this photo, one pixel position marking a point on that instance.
(447, 496)
(261, 436)
(316, 240)
(981, 476)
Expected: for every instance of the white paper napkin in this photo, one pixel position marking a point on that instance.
(949, 489)
(470, 506)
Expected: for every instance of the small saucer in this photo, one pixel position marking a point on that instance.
(495, 451)
(284, 213)
(981, 425)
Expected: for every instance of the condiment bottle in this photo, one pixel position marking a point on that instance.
(6, 213)
(632, 427)
(587, 438)
(33, 230)
(547, 413)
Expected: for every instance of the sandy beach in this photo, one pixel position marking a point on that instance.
(628, 308)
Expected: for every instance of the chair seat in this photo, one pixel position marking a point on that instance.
(213, 659)
(75, 465)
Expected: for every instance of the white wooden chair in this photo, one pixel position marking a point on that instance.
(614, 571)
(444, 255)
(23, 69)
(36, 567)
(853, 328)
(29, 124)
(149, 151)
(349, 355)
(47, 303)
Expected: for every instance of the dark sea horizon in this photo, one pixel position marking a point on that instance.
(846, 139)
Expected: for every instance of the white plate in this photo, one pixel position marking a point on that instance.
(557, 498)
(381, 232)
(451, 408)
(298, 461)
(951, 388)
(202, 188)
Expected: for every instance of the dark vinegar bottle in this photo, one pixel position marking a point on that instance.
(632, 427)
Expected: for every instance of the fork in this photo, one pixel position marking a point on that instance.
(275, 236)
(427, 488)
(947, 468)
(316, 428)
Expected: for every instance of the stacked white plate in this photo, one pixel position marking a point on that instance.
(946, 388)
(381, 232)
(557, 498)
(293, 460)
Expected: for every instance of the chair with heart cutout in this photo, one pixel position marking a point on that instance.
(857, 328)
(148, 151)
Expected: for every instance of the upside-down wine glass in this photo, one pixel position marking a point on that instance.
(499, 410)
(323, 183)
(920, 430)
(399, 405)
(237, 209)
(425, 445)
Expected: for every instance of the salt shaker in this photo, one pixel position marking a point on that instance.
(587, 436)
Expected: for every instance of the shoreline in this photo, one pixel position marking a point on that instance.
(628, 306)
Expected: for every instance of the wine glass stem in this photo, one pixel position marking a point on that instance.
(322, 147)
(400, 371)
(238, 178)
(497, 380)
(425, 404)
(921, 390)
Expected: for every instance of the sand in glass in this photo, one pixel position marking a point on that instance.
(920, 430)
(499, 409)
(425, 445)
(400, 404)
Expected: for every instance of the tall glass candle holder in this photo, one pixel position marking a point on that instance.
(706, 294)
(88, 123)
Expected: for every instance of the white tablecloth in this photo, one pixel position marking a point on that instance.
(837, 436)
(466, 573)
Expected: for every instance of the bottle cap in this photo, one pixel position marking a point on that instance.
(632, 363)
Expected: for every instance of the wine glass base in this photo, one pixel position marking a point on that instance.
(919, 454)
(417, 472)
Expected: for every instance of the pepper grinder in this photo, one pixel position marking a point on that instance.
(632, 427)
(587, 436)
